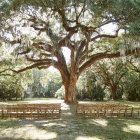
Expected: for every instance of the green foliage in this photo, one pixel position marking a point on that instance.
(10, 87)
(97, 93)
(89, 88)
(54, 82)
(116, 9)
(131, 86)
(60, 93)
(111, 73)
(44, 84)
(14, 85)
(3, 5)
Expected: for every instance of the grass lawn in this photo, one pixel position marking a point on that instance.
(69, 127)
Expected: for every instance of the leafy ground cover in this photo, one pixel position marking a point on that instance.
(69, 127)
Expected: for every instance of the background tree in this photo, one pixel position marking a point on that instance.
(111, 79)
(131, 81)
(89, 86)
(44, 84)
(111, 72)
(131, 86)
(11, 85)
(60, 93)
(40, 30)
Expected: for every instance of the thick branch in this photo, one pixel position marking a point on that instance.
(65, 41)
(136, 69)
(36, 65)
(46, 55)
(82, 53)
(5, 75)
(105, 55)
(3, 71)
(64, 20)
(105, 36)
(72, 62)
(62, 64)
(39, 60)
(43, 67)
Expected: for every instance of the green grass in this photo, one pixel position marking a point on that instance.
(31, 100)
(69, 127)
(130, 103)
(75, 129)
(28, 100)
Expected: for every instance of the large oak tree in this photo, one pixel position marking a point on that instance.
(39, 30)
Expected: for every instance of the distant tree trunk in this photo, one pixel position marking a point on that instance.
(114, 92)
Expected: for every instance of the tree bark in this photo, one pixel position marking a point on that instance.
(70, 92)
(114, 92)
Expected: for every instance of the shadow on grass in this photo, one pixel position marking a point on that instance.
(69, 127)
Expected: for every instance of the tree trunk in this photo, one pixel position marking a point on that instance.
(114, 92)
(70, 92)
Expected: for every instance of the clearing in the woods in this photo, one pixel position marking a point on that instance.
(70, 127)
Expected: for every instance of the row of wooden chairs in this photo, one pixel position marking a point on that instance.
(54, 110)
(105, 110)
(31, 111)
